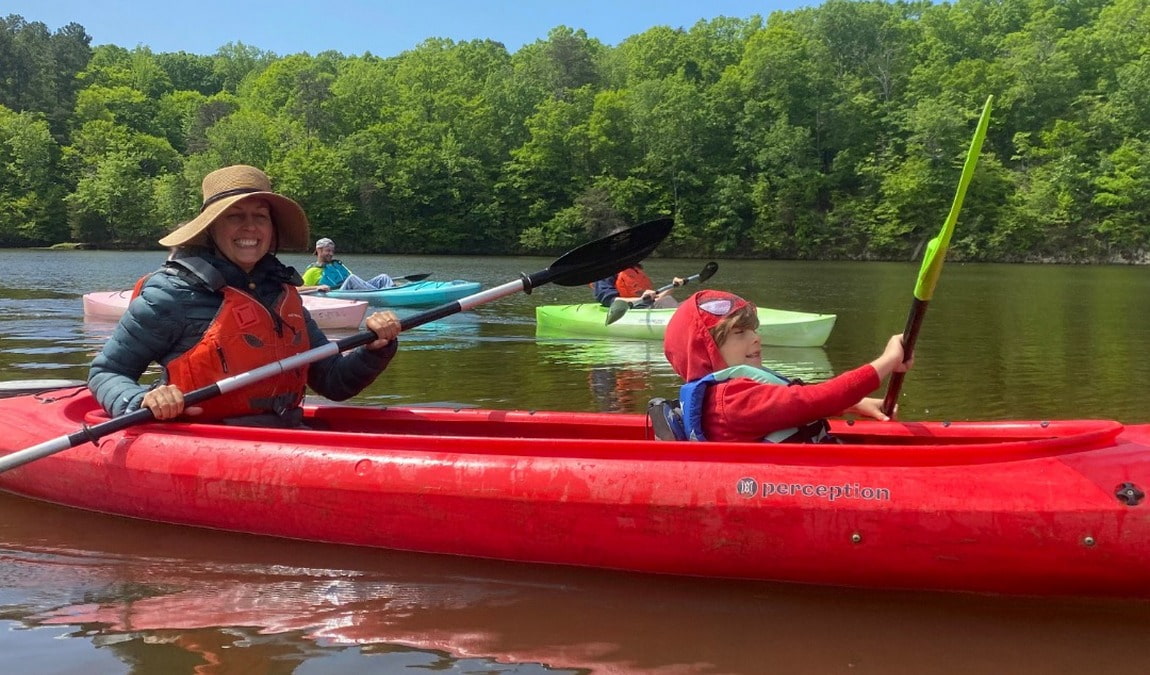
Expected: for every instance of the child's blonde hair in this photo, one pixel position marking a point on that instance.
(745, 317)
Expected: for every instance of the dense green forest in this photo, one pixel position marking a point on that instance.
(835, 131)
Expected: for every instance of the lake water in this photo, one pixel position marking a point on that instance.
(84, 592)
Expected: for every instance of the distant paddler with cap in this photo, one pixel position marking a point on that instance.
(327, 273)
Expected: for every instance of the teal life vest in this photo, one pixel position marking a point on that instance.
(334, 274)
(693, 393)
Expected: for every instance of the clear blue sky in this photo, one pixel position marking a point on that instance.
(383, 27)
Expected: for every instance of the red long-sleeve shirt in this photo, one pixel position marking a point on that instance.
(745, 410)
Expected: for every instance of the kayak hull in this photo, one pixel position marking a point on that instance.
(777, 327)
(327, 312)
(1007, 507)
(415, 294)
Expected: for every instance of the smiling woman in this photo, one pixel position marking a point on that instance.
(223, 303)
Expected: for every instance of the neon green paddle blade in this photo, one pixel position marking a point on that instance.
(936, 249)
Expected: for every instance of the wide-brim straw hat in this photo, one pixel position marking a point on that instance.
(226, 186)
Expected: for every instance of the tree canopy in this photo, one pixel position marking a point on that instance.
(835, 131)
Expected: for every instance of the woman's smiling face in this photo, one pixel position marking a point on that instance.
(244, 233)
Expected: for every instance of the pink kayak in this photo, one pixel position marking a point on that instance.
(327, 312)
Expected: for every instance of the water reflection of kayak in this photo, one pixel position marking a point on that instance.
(150, 596)
(808, 363)
(580, 352)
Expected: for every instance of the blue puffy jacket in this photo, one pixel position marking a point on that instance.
(174, 309)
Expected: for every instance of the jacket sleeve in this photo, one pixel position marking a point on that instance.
(311, 276)
(147, 332)
(748, 410)
(342, 376)
(605, 291)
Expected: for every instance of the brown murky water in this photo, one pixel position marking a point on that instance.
(86, 592)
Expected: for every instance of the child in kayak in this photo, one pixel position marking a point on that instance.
(712, 342)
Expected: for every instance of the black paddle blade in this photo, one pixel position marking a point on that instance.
(603, 257)
(708, 271)
(414, 277)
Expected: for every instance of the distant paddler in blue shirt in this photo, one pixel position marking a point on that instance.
(327, 273)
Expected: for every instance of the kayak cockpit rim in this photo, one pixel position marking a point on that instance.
(472, 431)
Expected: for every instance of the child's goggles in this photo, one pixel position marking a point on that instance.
(720, 307)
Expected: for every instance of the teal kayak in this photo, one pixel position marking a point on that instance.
(778, 327)
(419, 293)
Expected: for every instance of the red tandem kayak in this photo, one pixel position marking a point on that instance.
(1033, 508)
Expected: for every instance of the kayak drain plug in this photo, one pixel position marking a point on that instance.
(1129, 494)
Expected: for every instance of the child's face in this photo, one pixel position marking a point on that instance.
(742, 347)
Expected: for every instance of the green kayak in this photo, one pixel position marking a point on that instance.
(778, 327)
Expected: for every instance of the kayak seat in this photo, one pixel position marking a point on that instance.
(666, 419)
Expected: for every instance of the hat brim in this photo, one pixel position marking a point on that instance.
(292, 229)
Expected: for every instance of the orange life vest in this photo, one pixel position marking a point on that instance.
(632, 281)
(139, 287)
(242, 336)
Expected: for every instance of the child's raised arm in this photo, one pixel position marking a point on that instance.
(890, 361)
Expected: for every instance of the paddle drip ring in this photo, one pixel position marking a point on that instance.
(87, 433)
